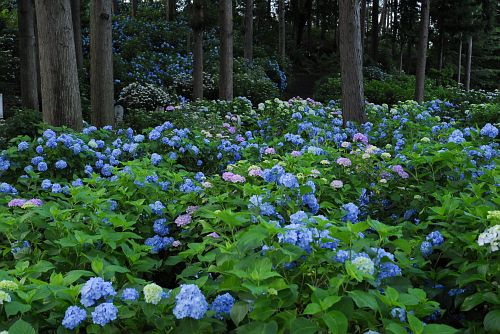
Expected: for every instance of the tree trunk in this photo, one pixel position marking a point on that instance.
(116, 7)
(441, 51)
(422, 51)
(60, 89)
(101, 64)
(172, 9)
(375, 28)
(383, 17)
(226, 50)
(351, 61)
(459, 60)
(363, 22)
(248, 47)
(28, 54)
(77, 31)
(401, 58)
(198, 24)
(469, 64)
(134, 7)
(282, 31)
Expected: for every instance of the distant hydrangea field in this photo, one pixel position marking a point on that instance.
(273, 219)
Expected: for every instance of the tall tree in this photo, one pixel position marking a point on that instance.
(459, 60)
(351, 61)
(248, 45)
(116, 7)
(101, 63)
(282, 30)
(363, 22)
(226, 50)
(28, 54)
(172, 9)
(422, 51)
(198, 26)
(76, 12)
(59, 75)
(469, 64)
(134, 7)
(374, 32)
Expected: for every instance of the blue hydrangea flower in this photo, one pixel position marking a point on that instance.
(222, 305)
(435, 238)
(130, 294)
(61, 164)
(352, 212)
(399, 313)
(456, 137)
(156, 159)
(342, 256)
(297, 234)
(23, 146)
(159, 227)
(311, 201)
(489, 130)
(426, 248)
(299, 217)
(190, 303)
(104, 314)
(289, 180)
(42, 166)
(158, 243)
(94, 289)
(46, 184)
(157, 207)
(73, 317)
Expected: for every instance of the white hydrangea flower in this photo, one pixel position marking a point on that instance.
(490, 236)
(152, 293)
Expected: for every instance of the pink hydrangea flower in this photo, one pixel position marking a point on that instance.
(231, 129)
(399, 169)
(192, 209)
(337, 184)
(234, 178)
(214, 235)
(183, 220)
(360, 137)
(296, 153)
(346, 162)
(226, 125)
(255, 172)
(170, 108)
(18, 202)
(176, 243)
(270, 150)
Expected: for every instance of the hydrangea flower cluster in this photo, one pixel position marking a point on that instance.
(433, 239)
(490, 236)
(190, 303)
(96, 289)
(222, 305)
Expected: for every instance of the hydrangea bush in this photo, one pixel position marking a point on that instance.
(268, 219)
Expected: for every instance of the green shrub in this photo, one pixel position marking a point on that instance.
(22, 123)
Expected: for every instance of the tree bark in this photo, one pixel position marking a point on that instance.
(101, 64)
(351, 61)
(198, 25)
(248, 47)
(363, 22)
(459, 60)
(383, 17)
(172, 9)
(374, 32)
(422, 51)
(441, 51)
(77, 31)
(60, 89)
(116, 7)
(469, 64)
(28, 54)
(134, 7)
(226, 50)
(282, 30)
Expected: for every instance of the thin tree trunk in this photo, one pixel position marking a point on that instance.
(351, 61)
(441, 51)
(401, 58)
(459, 60)
(422, 51)
(226, 50)
(469, 64)
(134, 7)
(116, 7)
(383, 17)
(282, 30)
(172, 9)
(77, 31)
(248, 47)
(363, 22)
(101, 64)
(374, 32)
(198, 24)
(60, 89)
(28, 54)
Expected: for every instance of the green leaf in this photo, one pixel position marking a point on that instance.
(415, 324)
(239, 311)
(257, 327)
(336, 322)
(75, 275)
(312, 308)
(97, 265)
(472, 301)
(439, 329)
(303, 326)
(21, 327)
(396, 328)
(15, 307)
(329, 301)
(492, 321)
(364, 299)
